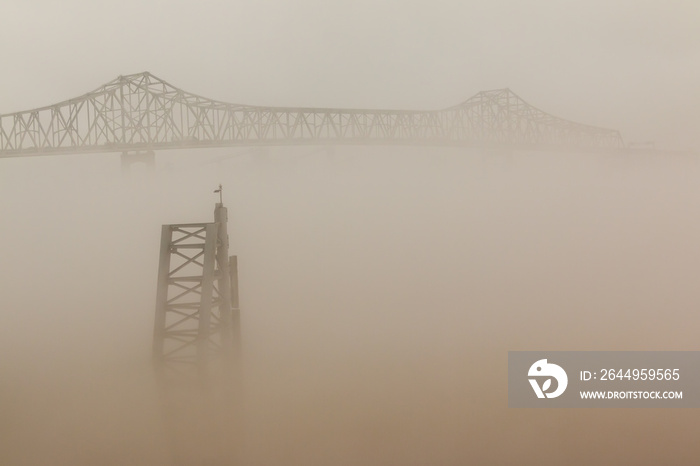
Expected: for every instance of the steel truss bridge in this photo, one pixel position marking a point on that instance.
(141, 112)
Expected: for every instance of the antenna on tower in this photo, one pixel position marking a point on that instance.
(221, 194)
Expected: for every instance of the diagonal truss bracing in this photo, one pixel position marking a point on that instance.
(196, 305)
(141, 111)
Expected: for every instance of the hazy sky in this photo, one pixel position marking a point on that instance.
(633, 65)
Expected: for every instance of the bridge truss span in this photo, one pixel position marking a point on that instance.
(143, 112)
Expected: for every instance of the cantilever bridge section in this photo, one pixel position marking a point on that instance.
(142, 112)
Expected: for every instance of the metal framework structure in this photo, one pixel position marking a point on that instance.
(196, 327)
(196, 342)
(141, 112)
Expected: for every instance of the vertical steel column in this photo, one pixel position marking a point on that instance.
(162, 298)
(235, 307)
(224, 282)
(205, 306)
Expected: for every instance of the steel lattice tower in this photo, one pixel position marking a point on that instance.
(196, 342)
(197, 317)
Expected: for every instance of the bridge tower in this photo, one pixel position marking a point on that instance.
(196, 341)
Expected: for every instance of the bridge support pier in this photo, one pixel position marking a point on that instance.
(147, 157)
